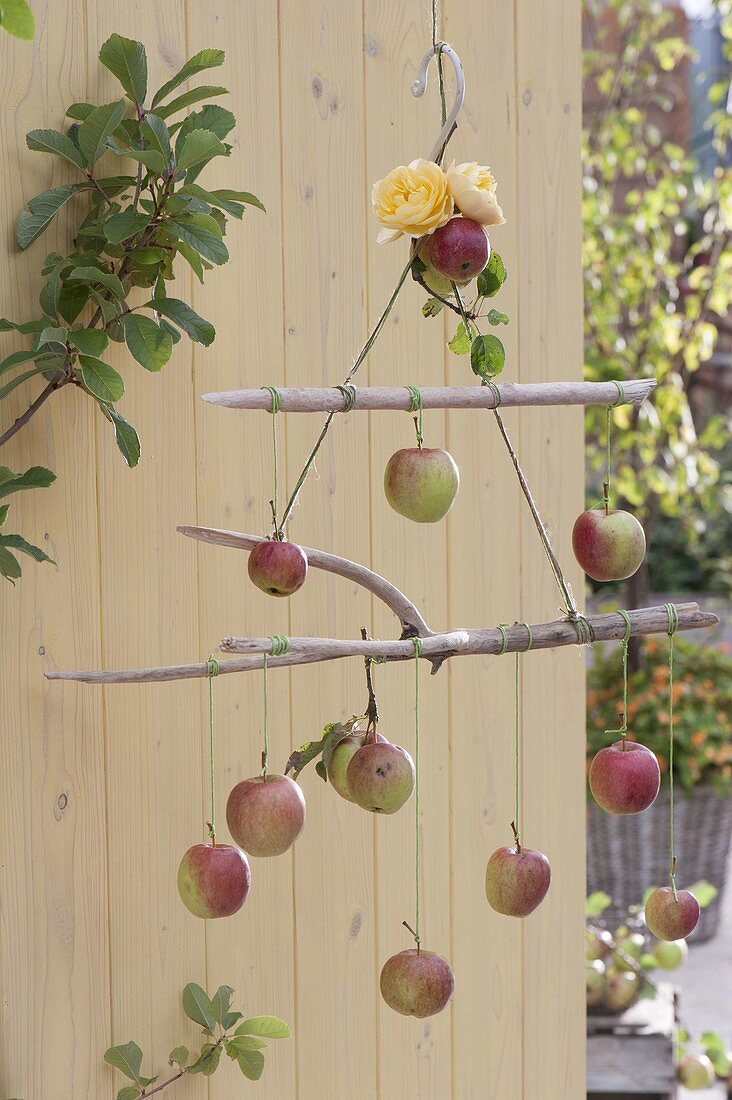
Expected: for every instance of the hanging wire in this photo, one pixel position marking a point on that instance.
(415, 406)
(280, 646)
(625, 640)
(417, 642)
(608, 437)
(274, 410)
(212, 670)
(673, 623)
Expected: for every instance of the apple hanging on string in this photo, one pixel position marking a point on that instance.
(266, 814)
(276, 566)
(459, 250)
(670, 917)
(416, 982)
(624, 778)
(609, 543)
(213, 879)
(380, 776)
(421, 483)
(338, 760)
(516, 879)
(670, 954)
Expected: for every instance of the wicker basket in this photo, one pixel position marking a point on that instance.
(626, 855)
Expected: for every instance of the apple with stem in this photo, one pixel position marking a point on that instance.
(213, 880)
(624, 778)
(341, 757)
(432, 279)
(266, 814)
(459, 250)
(421, 483)
(416, 982)
(278, 567)
(380, 776)
(696, 1072)
(670, 916)
(516, 879)
(608, 543)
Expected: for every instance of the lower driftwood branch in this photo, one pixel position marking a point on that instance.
(436, 647)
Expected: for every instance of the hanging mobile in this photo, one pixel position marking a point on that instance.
(276, 566)
(609, 543)
(266, 813)
(416, 982)
(624, 777)
(671, 914)
(213, 879)
(516, 878)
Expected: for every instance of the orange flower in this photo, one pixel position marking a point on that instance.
(698, 738)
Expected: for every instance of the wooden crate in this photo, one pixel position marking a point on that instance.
(633, 1055)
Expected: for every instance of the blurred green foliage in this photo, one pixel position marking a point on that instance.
(658, 276)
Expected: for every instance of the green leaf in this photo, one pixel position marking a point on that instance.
(492, 277)
(239, 196)
(460, 343)
(211, 117)
(127, 1059)
(247, 1042)
(179, 1057)
(214, 198)
(151, 158)
(4, 514)
(230, 1019)
(20, 379)
(205, 59)
(98, 126)
(94, 277)
(495, 317)
(17, 19)
(100, 379)
(9, 565)
(41, 211)
(703, 891)
(79, 111)
(195, 95)
(193, 259)
(16, 358)
(322, 771)
(251, 1063)
(89, 341)
(186, 228)
(432, 307)
(71, 301)
(269, 1026)
(148, 343)
(128, 61)
(221, 1002)
(19, 543)
(199, 147)
(197, 1006)
(148, 256)
(211, 1064)
(52, 141)
(184, 317)
(128, 223)
(26, 327)
(128, 1092)
(156, 134)
(126, 437)
(54, 335)
(487, 356)
(36, 477)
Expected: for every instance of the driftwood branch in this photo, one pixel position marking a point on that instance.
(436, 648)
(440, 397)
(408, 615)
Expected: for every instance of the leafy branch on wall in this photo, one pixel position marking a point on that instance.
(113, 285)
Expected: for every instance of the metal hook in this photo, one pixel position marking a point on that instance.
(419, 87)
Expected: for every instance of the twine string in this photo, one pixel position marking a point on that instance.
(517, 735)
(280, 646)
(274, 410)
(608, 438)
(673, 623)
(417, 642)
(212, 670)
(436, 46)
(623, 729)
(349, 396)
(415, 406)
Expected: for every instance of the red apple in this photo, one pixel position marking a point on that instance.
(460, 249)
(213, 880)
(609, 546)
(277, 567)
(696, 1072)
(669, 919)
(266, 814)
(625, 778)
(380, 777)
(421, 483)
(516, 880)
(341, 757)
(417, 983)
(670, 954)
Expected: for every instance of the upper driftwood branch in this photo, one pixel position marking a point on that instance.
(408, 615)
(437, 647)
(512, 394)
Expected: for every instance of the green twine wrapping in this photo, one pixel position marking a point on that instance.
(417, 643)
(673, 623)
(212, 669)
(504, 635)
(274, 410)
(623, 730)
(495, 391)
(349, 396)
(415, 406)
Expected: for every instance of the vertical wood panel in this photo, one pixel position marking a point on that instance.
(54, 969)
(551, 447)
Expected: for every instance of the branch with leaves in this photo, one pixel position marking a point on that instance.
(225, 1031)
(113, 285)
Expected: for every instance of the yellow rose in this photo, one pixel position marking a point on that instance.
(473, 190)
(414, 200)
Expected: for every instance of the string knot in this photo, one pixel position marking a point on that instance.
(503, 627)
(621, 398)
(275, 398)
(415, 399)
(530, 633)
(349, 396)
(280, 645)
(673, 619)
(418, 646)
(213, 668)
(495, 391)
(585, 633)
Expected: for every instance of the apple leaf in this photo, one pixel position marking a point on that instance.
(179, 1057)
(271, 1027)
(460, 343)
(492, 277)
(198, 1007)
(487, 356)
(127, 1059)
(251, 1063)
(221, 1002)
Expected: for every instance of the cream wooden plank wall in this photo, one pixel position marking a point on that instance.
(102, 791)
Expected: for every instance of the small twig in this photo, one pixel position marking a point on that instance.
(182, 1073)
(61, 379)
